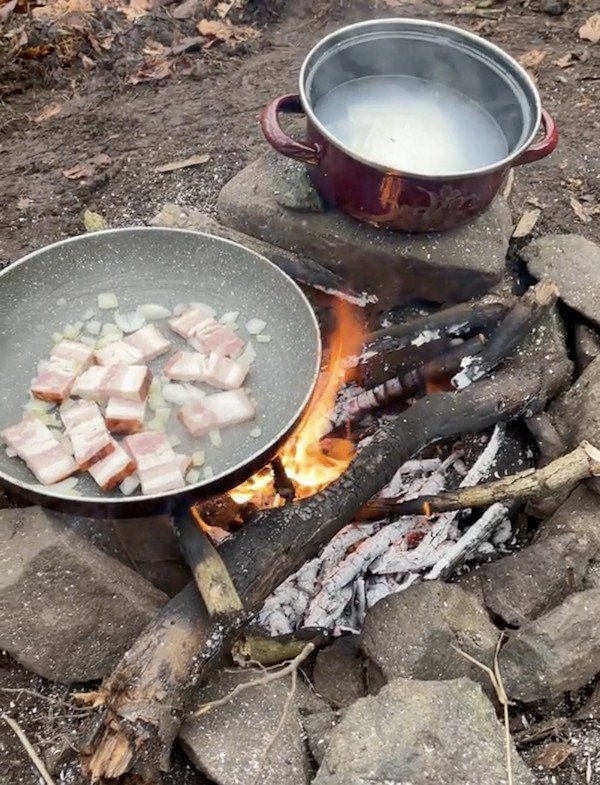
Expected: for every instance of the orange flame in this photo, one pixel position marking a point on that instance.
(307, 464)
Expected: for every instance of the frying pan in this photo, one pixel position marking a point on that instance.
(56, 285)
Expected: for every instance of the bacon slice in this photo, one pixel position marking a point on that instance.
(44, 455)
(113, 469)
(52, 383)
(185, 367)
(214, 338)
(192, 318)
(73, 354)
(124, 416)
(85, 427)
(118, 353)
(88, 385)
(216, 411)
(158, 466)
(149, 341)
(224, 373)
(131, 382)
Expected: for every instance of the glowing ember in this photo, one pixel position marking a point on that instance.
(308, 463)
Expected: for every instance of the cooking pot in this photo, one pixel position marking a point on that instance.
(450, 59)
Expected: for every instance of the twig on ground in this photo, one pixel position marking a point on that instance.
(267, 678)
(46, 698)
(34, 757)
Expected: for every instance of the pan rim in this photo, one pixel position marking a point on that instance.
(38, 491)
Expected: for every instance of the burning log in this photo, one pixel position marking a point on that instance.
(284, 487)
(144, 700)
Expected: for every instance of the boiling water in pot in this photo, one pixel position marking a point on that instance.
(411, 124)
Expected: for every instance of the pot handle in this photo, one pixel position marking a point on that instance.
(277, 137)
(542, 148)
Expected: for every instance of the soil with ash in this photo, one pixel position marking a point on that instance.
(93, 102)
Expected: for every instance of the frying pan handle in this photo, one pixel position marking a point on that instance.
(277, 137)
(542, 148)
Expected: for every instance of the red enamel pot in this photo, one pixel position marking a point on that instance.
(437, 53)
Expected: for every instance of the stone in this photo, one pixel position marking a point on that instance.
(559, 652)
(411, 634)
(574, 263)
(245, 741)
(525, 584)
(293, 187)
(68, 612)
(339, 673)
(586, 346)
(448, 267)
(578, 515)
(421, 733)
(318, 729)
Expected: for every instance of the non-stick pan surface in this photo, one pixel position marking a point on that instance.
(44, 291)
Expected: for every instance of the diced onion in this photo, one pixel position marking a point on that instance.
(155, 401)
(152, 312)
(129, 484)
(229, 317)
(107, 301)
(64, 486)
(248, 355)
(255, 326)
(61, 301)
(129, 322)
(198, 458)
(89, 314)
(179, 309)
(255, 433)
(10, 452)
(194, 393)
(156, 424)
(215, 438)
(108, 328)
(174, 440)
(71, 331)
(88, 340)
(57, 337)
(163, 414)
(208, 472)
(207, 309)
(192, 477)
(52, 421)
(66, 405)
(175, 394)
(108, 339)
(93, 327)
(263, 338)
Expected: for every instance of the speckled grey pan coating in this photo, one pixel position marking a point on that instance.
(165, 266)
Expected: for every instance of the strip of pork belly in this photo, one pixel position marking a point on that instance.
(216, 411)
(131, 382)
(74, 355)
(85, 427)
(123, 416)
(190, 320)
(158, 466)
(44, 455)
(214, 338)
(185, 367)
(224, 373)
(118, 353)
(55, 378)
(113, 469)
(89, 384)
(149, 341)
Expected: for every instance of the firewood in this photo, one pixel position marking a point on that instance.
(251, 648)
(144, 700)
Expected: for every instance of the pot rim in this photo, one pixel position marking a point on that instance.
(425, 24)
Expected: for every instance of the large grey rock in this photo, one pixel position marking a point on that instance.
(421, 733)
(67, 611)
(578, 515)
(526, 584)
(411, 634)
(240, 742)
(318, 729)
(556, 653)
(339, 673)
(574, 263)
(452, 266)
(586, 346)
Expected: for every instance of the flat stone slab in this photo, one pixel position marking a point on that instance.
(449, 267)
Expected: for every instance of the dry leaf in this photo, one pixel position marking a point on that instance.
(152, 71)
(23, 202)
(565, 61)
(553, 755)
(186, 44)
(186, 10)
(87, 62)
(532, 58)
(223, 31)
(579, 210)
(527, 223)
(508, 185)
(590, 29)
(6, 9)
(94, 222)
(47, 112)
(35, 52)
(79, 171)
(193, 160)
(137, 8)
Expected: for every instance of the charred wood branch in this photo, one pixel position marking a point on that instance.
(382, 364)
(549, 442)
(562, 474)
(144, 699)
(282, 484)
(515, 327)
(251, 648)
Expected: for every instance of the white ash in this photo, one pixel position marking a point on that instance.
(426, 336)
(365, 562)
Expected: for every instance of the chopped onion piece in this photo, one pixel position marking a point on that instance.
(174, 440)
(129, 322)
(215, 438)
(93, 327)
(255, 433)
(194, 393)
(152, 312)
(163, 414)
(64, 486)
(255, 326)
(71, 331)
(156, 424)
(248, 355)
(229, 317)
(192, 477)
(79, 325)
(88, 340)
(198, 458)
(175, 393)
(155, 401)
(263, 338)
(108, 339)
(66, 405)
(107, 301)
(61, 301)
(108, 328)
(58, 435)
(208, 472)
(89, 314)
(52, 421)
(57, 337)
(129, 484)
(179, 309)
(10, 452)
(47, 406)
(207, 309)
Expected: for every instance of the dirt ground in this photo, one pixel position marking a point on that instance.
(85, 112)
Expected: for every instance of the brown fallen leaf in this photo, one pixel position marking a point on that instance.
(565, 61)
(35, 52)
(51, 110)
(6, 9)
(188, 44)
(152, 71)
(137, 8)
(580, 211)
(224, 31)
(193, 160)
(532, 58)
(85, 169)
(526, 223)
(553, 755)
(186, 10)
(590, 29)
